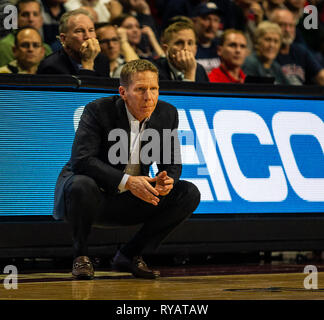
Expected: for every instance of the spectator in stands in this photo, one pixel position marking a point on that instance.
(206, 18)
(141, 10)
(247, 14)
(148, 48)
(52, 11)
(80, 54)
(297, 63)
(29, 15)
(114, 44)
(269, 5)
(105, 9)
(262, 62)
(232, 51)
(179, 44)
(28, 52)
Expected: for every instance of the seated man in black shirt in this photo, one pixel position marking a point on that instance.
(80, 54)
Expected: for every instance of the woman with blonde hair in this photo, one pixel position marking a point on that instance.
(261, 63)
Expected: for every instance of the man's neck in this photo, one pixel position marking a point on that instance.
(72, 54)
(28, 69)
(285, 48)
(234, 72)
(205, 43)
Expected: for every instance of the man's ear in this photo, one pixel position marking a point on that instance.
(165, 47)
(122, 91)
(62, 38)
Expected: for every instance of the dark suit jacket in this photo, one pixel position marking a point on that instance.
(91, 146)
(60, 63)
(165, 71)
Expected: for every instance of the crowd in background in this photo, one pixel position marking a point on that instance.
(226, 41)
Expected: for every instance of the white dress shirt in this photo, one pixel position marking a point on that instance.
(133, 168)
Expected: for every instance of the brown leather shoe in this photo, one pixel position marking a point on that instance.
(136, 266)
(82, 268)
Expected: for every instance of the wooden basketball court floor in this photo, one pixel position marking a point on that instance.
(272, 281)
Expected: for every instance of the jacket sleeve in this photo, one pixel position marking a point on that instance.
(86, 150)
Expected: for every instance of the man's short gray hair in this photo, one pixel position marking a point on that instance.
(63, 27)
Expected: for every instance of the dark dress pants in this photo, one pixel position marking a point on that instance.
(87, 205)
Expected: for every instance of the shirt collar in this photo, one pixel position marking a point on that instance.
(175, 72)
(132, 118)
(241, 74)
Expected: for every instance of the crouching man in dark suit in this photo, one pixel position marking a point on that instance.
(107, 178)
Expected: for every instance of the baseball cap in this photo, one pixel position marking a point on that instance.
(206, 8)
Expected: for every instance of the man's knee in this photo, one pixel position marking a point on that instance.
(82, 187)
(82, 197)
(189, 193)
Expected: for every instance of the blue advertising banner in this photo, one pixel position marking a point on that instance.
(246, 155)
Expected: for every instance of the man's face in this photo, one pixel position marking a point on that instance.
(182, 40)
(286, 21)
(234, 50)
(30, 15)
(29, 50)
(206, 27)
(80, 29)
(141, 95)
(268, 46)
(109, 42)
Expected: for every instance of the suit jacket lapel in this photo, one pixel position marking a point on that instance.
(122, 119)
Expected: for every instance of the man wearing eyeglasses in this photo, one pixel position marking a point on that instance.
(115, 46)
(28, 52)
(297, 62)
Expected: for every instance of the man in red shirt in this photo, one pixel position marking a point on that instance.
(232, 51)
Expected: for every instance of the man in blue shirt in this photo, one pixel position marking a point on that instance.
(206, 19)
(297, 62)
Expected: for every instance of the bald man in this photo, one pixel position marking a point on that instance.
(28, 51)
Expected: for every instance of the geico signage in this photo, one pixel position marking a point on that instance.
(201, 141)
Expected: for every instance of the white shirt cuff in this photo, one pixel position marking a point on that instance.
(123, 182)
